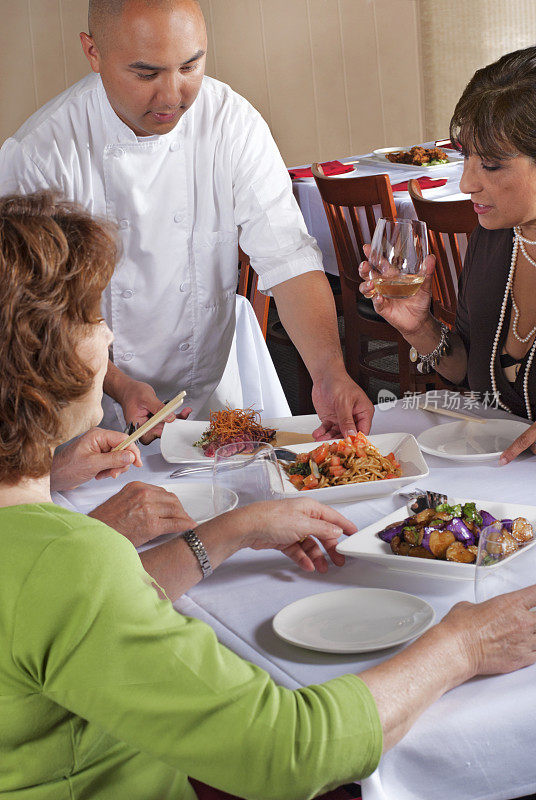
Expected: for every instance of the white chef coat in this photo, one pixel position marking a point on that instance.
(182, 201)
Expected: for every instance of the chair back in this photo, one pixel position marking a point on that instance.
(247, 286)
(342, 198)
(450, 223)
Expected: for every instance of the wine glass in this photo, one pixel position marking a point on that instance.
(248, 468)
(500, 566)
(397, 254)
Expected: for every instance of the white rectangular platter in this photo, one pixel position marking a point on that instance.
(367, 546)
(406, 451)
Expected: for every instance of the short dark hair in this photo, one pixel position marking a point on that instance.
(55, 261)
(497, 110)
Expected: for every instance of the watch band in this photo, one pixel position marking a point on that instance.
(198, 549)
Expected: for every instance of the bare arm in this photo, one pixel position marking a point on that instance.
(292, 526)
(307, 310)
(483, 639)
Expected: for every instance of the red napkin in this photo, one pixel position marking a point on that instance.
(329, 167)
(425, 183)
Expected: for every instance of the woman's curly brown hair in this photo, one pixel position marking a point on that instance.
(55, 261)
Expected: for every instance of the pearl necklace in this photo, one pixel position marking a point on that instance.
(507, 291)
(530, 334)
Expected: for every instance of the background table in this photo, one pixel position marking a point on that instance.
(474, 743)
(308, 197)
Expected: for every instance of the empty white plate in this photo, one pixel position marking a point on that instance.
(471, 441)
(353, 620)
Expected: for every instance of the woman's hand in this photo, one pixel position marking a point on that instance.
(89, 457)
(408, 314)
(293, 526)
(527, 441)
(496, 636)
(139, 403)
(141, 512)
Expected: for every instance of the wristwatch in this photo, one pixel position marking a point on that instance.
(198, 549)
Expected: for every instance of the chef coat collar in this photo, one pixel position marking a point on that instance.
(117, 132)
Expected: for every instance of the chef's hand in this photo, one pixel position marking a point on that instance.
(139, 402)
(89, 457)
(343, 407)
(527, 441)
(141, 512)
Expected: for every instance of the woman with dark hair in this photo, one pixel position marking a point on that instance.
(105, 691)
(493, 345)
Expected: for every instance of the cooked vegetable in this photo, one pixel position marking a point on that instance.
(392, 530)
(233, 425)
(521, 529)
(487, 519)
(469, 512)
(440, 541)
(460, 530)
(457, 552)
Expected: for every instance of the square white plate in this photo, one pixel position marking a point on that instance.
(406, 451)
(367, 546)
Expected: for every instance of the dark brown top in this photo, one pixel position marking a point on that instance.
(480, 295)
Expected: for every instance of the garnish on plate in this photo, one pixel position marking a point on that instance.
(233, 425)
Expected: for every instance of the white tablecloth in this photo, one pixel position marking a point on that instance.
(477, 741)
(309, 200)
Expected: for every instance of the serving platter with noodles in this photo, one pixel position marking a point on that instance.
(366, 470)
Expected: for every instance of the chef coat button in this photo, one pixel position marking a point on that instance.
(184, 346)
(174, 146)
(127, 356)
(184, 287)
(178, 217)
(118, 152)
(124, 223)
(127, 294)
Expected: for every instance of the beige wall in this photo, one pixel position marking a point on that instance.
(332, 77)
(460, 36)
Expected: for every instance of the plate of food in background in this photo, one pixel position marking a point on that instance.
(355, 468)
(416, 157)
(442, 541)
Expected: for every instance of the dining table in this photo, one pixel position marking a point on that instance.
(310, 202)
(472, 744)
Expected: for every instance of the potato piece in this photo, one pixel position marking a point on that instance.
(420, 552)
(522, 530)
(458, 552)
(508, 543)
(440, 541)
(473, 549)
(423, 517)
(413, 535)
(399, 546)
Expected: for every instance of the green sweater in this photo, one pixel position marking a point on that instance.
(106, 693)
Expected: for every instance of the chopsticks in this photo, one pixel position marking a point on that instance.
(153, 421)
(448, 413)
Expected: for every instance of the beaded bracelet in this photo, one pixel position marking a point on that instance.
(428, 362)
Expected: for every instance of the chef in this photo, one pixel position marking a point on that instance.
(187, 168)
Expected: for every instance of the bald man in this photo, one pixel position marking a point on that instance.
(188, 169)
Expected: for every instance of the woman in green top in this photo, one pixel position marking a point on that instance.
(105, 691)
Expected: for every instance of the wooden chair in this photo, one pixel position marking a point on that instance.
(449, 223)
(247, 286)
(342, 198)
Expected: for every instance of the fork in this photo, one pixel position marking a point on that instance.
(189, 468)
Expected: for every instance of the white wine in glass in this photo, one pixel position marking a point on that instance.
(397, 254)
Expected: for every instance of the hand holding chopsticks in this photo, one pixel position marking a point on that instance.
(155, 420)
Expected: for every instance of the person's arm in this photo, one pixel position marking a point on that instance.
(289, 264)
(138, 401)
(289, 525)
(412, 318)
(306, 308)
(484, 639)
